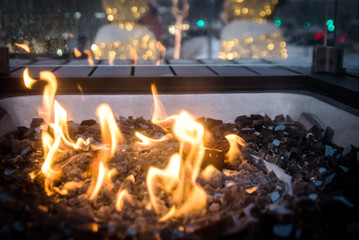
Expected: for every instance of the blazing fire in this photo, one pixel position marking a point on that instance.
(177, 181)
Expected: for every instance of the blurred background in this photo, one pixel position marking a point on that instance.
(210, 29)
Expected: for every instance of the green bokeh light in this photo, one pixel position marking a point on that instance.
(330, 22)
(200, 23)
(331, 28)
(277, 22)
(307, 24)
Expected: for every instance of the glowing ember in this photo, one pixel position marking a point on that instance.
(23, 46)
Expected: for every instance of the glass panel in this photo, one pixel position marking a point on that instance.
(279, 31)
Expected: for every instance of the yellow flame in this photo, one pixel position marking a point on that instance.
(251, 190)
(23, 46)
(111, 137)
(89, 57)
(133, 55)
(123, 195)
(29, 82)
(149, 141)
(208, 172)
(77, 53)
(179, 177)
(111, 57)
(234, 152)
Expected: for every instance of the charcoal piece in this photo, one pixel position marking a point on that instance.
(328, 135)
(347, 150)
(36, 122)
(218, 229)
(271, 158)
(243, 121)
(214, 157)
(309, 120)
(89, 122)
(279, 118)
(210, 123)
(289, 119)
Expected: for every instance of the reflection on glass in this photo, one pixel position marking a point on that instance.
(248, 33)
(125, 37)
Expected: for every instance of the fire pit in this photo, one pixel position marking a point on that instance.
(129, 177)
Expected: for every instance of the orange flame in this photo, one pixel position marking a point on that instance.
(23, 46)
(208, 172)
(89, 57)
(77, 53)
(123, 194)
(234, 152)
(111, 137)
(179, 177)
(133, 55)
(29, 82)
(111, 57)
(57, 143)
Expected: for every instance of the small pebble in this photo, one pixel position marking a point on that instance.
(329, 179)
(279, 127)
(313, 196)
(214, 207)
(329, 151)
(275, 196)
(132, 231)
(282, 230)
(318, 183)
(276, 142)
(322, 170)
(8, 172)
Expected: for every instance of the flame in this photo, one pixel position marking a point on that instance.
(111, 137)
(149, 141)
(208, 172)
(23, 46)
(89, 57)
(251, 190)
(133, 55)
(60, 140)
(111, 57)
(29, 82)
(234, 152)
(123, 194)
(77, 53)
(179, 177)
(162, 52)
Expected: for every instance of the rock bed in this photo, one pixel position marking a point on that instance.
(295, 183)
